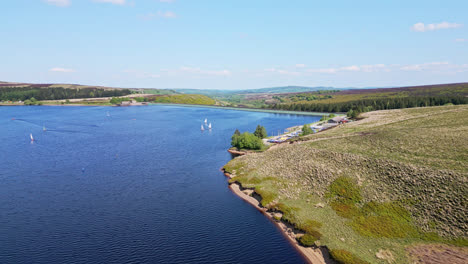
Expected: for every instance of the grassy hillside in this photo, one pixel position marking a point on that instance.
(374, 189)
(25, 91)
(184, 99)
(270, 90)
(361, 99)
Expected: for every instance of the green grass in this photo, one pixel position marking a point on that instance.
(346, 257)
(194, 99)
(393, 179)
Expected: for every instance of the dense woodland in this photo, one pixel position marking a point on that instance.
(56, 93)
(366, 105)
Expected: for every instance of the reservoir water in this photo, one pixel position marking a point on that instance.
(137, 185)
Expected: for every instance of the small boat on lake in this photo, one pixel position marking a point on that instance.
(44, 128)
(206, 121)
(202, 128)
(31, 136)
(209, 126)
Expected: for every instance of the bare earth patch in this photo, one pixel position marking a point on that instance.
(438, 254)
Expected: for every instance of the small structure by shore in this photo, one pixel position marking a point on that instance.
(131, 103)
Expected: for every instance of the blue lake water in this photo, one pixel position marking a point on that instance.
(142, 185)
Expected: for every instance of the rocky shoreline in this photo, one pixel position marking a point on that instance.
(313, 255)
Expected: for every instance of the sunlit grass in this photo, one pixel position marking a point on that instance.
(391, 180)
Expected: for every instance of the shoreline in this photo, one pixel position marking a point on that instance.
(200, 106)
(319, 255)
(248, 109)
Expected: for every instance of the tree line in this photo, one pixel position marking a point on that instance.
(56, 93)
(366, 105)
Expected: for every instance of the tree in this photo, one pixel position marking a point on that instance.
(235, 138)
(260, 132)
(115, 100)
(246, 140)
(306, 130)
(353, 113)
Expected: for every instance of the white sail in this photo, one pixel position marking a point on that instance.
(202, 128)
(30, 135)
(206, 120)
(209, 126)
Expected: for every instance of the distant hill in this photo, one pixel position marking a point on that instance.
(288, 89)
(17, 91)
(364, 100)
(54, 85)
(271, 90)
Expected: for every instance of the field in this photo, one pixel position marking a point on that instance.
(379, 190)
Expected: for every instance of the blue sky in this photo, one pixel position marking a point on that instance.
(234, 44)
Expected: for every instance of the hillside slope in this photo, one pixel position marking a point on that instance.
(372, 189)
(197, 99)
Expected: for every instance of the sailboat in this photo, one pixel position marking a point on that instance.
(206, 120)
(202, 128)
(209, 126)
(108, 114)
(30, 135)
(44, 128)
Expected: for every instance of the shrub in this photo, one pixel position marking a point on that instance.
(267, 196)
(384, 220)
(345, 257)
(353, 113)
(309, 239)
(378, 226)
(345, 210)
(344, 190)
(309, 226)
(306, 130)
(288, 212)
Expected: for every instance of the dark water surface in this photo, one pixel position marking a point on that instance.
(142, 185)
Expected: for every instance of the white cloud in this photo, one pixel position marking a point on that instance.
(421, 27)
(57, 69)
(461, 40)
(373, 68)
(423, 66)
(61, 3)
(326, 70)
(114, 2)
(300, 65)
(167, 1)
(352, 68)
